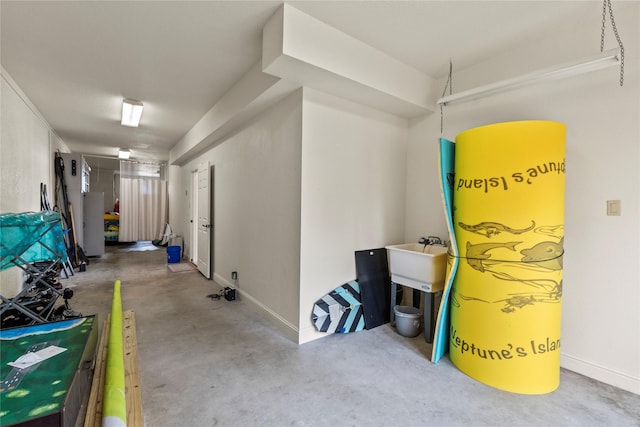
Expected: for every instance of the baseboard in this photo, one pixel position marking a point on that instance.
(286, 327)
(600, 373)
(222, 281)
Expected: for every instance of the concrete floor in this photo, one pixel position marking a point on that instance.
(208, 363)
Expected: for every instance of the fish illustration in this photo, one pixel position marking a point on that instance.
(516, 301)
(511, 303)
(556, 231)
(489, 229)
(478, 252)
(545, 254)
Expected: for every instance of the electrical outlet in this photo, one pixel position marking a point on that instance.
(234, 275)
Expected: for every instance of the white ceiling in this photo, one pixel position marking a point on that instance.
(77, 60)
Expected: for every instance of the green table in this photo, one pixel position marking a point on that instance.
(52, 391)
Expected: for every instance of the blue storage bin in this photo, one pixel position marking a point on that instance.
(173, 254)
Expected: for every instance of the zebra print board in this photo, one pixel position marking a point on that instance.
(340, 311)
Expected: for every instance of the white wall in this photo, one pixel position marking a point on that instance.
(353, 192)
(601, 300)
(297, 191)
(256, 173)
(179, 199)
(24, 154)
(27, 147)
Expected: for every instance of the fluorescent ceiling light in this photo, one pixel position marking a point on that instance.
(124, 154)
(131, 112)
(592, 63)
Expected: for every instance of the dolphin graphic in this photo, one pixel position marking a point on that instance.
(545, 254)
(478, 252)
(489, 229)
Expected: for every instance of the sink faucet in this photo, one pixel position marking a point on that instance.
(432, 240)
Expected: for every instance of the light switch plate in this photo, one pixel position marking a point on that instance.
(614, 208)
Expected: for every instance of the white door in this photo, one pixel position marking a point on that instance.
(93, 207)
(205, 229)
(193, 222)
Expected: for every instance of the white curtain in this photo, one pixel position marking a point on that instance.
(143, 201)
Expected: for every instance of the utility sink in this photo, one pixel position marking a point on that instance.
(418, 266)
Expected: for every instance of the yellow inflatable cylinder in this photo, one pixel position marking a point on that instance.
(509, 228)
(114, 403)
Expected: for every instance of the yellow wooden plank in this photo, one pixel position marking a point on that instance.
(93, 416)
(132, 380)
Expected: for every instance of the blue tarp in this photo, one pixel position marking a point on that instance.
(32, 236)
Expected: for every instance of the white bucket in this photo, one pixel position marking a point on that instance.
(408, 320)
